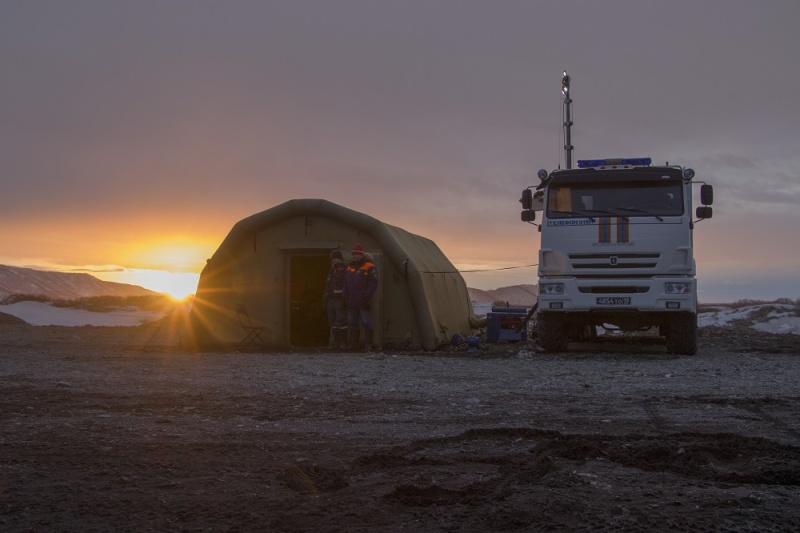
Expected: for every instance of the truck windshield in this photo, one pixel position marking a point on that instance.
(629, 199)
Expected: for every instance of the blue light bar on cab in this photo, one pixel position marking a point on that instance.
(631, 162)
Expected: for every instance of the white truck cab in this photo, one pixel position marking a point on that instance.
(617, 248)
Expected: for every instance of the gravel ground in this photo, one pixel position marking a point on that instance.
(109, 429)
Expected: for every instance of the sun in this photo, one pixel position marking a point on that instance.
(177, 285)
(169, 265)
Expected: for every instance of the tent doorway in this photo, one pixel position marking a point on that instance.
(308, 323)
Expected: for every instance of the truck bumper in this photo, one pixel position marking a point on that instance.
(652, 295)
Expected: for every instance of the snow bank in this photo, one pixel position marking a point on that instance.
(42, 314)
(770, 318)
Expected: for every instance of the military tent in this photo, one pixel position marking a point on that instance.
(274, 263)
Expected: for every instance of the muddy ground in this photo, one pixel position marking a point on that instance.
(107, 429)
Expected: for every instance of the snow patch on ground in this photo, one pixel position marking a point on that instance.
(481, 309)
(42, 314)
(770, 318)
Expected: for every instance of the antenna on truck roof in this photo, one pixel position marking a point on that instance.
(567, 117)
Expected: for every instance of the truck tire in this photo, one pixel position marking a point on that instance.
(552, 333)
(682, 334)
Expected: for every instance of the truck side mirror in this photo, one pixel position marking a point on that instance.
(527, 199)
(703, 212)
(706, 195)
(529, 215)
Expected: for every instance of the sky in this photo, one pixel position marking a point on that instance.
(134, 135)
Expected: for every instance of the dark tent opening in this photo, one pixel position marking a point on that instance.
(308, 324)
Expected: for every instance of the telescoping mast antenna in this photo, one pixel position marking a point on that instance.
(567, 114)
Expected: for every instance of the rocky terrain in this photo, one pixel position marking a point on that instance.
(115, 429)
(60, 285)
(515, 295)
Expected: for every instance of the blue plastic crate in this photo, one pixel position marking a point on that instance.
(503, 324)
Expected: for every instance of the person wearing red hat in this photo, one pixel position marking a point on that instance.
(360, 284)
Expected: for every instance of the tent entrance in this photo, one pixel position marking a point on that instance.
(308, 323)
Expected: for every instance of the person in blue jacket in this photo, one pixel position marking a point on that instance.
(360, 284)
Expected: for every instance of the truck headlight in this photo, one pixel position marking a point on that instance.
(551, 289)
(678, 288)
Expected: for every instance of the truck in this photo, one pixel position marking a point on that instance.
(616, 248)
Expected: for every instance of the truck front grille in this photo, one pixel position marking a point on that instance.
(622, 289)
(604, 261)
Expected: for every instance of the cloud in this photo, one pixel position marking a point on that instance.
(97, 269)
(124, 121)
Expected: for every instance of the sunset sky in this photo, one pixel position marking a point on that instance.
(133, 135)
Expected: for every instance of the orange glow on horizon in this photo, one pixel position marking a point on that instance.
(177, 285)
(168, 265)
(175, 254)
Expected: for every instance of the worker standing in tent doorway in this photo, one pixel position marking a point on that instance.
(334, 301)
(360, 283)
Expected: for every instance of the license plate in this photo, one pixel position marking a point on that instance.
(613, 300)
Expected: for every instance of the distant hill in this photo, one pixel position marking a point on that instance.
(61, 285)
(516, 295)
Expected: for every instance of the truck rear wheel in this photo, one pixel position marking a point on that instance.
(682, 334)
(552, 333)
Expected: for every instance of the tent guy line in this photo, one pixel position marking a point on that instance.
(477, 270)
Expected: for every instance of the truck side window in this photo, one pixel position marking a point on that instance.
(560, 199)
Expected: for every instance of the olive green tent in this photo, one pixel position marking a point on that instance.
(274, 264)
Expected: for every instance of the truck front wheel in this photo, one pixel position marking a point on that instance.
(552, 333)
(682, 334)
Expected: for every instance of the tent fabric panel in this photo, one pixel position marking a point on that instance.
(439, 292)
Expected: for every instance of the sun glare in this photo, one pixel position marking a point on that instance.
(165, 265)
(178, 285)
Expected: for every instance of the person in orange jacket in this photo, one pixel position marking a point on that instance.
(360, 284)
